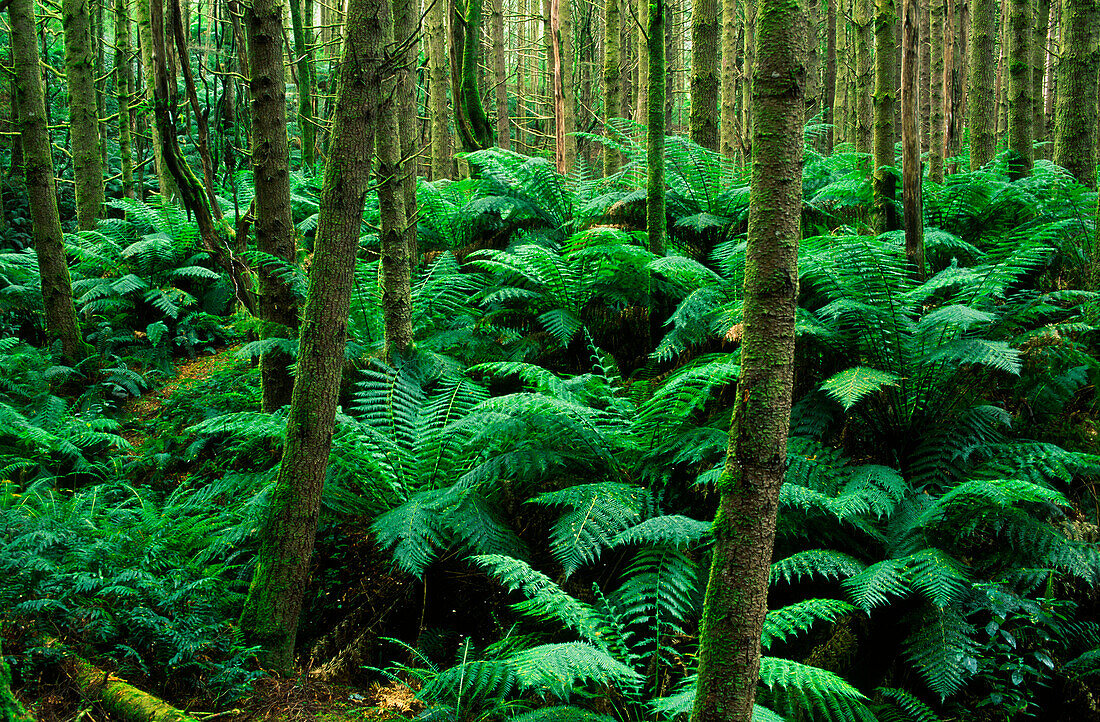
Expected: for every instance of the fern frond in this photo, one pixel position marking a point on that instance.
(780, 624)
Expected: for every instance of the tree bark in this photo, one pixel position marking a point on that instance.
(437, 89)
(924, 74)
(145, 39)
(83, 114)
(730, 137)
(57, 291)
(1075, 109)
(938, 117)
(744, 526)
(1040, 34)
(885, 184)
(655, 138)
(122, 701)
(864, 85)
(982, 103)
(124, 82)
(1020, 106)
(748, 61)
(500, 75)
(910, 139)
(271, 611)
(471, 122)
(612, 78)
(561, 29)
(303, 49)
(704, 73)
(275, 231)
(406, 28)
(830, 74)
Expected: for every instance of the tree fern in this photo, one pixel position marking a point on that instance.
(940, 648)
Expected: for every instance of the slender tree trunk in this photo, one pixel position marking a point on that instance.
(57, 291)
(925, 75)
(1075, 110)
(83, 114)
(959, 78)
(864, 85)
(841, 107)
(270, 616)
(885, 185)
(830, 74)
(641, 114)
(655, 140)
(938, 119)
(500, 75)
(124, 81)
(1021, 108)
(910, 138)
(303, 42)
(275, 231)
(730, 138)
(982, 102)
(1002, 104)
(749, 61)
(1040, 34)
(612, 78)
(145, 38)
(813, 63)
(704, 73)
(744, 527)
(672, 64)
(437, 89)
(406, 28)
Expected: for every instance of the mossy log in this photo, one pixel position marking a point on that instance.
(122, 701)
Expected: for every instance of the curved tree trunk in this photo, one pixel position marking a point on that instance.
(275, 231)
(270, 616)
(704, 73)
(83, 114)
(1075, 110)
(57, 290)
(744, 527)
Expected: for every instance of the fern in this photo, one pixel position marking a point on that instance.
(940, 648)
(794, 619)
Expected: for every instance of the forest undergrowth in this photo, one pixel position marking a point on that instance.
(517, 512)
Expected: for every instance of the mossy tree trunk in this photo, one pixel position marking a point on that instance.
(744, 526)
(10, 708)
(885, 182)
(406, 28)
(303, 51)
(124, 83)
(471, 121)
(271, 611)
(830, 72)
(983, 69)
(730, 137)
(1020, 106)
(437, 90)
(1075, 108)
(910, 138)
(57, 291)
(612, 78)
(938, 122)
(748, 61)
(83, 113)
(275, 231)
(864, 85)
(500, 74)
(145, 40)
(1041, 31)
(704, 73)
(641, 88)
(655, 138)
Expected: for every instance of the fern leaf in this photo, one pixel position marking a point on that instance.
(850, 386)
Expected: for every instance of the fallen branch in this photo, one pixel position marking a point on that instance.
(123, 701)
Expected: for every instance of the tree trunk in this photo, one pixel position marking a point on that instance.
(938, 120)
(406, 28)
(910, 139)
(813, 62)
(843, 76)
(83, 114)
(655, 139)
(1020, 106)
(830, 74)
(704, 73)
(122, 701)
(1040, 34)
(641, 113)
(471, 122)
(10, 708)
(612, 78)
(1075, 110)
(124, 81)
(500, 75)
(749, 62)
(864, 85)
(744, 527)
(885, 185)
(303, 49)
(57, 291)
(959, 77)
(275, 231)
(437, 89)
(730, 137)
(145, 40)
(925, 75)
(270, 616)
(982, 102)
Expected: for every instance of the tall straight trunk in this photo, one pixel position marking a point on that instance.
(1053, 52)
(437, 89)
(1040, 35)
(396, 268)
(672, 64)
(813, 59)
(612, 78)
(100, 75)
(910, 138)
(830, 74)
(57, 291)
(704, 73)
(730, 138)
(1076, 107)
(275, 231)
(270, 616)
(124, 85)
(938, 117)
(982, 101)
(747, 70)
(1020, 106)
(960, 20)
(925, 74)
(841, 107)
(561, 29)
(1002, 104)
(864, 85)
(885, 184)
(628, 48)
(83, 112)
(145, 37)
(500, 75)
(655, 139)
(641, 113)
(303, 51)
(522, 143)
(406, 29)
(744, 526)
